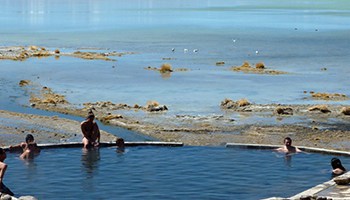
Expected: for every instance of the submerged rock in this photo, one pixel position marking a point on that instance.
(284, 111)
(24, 82)
(321, 108)
(345, 110)
(166, 67)
(329, 96)
(230, 104)
(258, 69)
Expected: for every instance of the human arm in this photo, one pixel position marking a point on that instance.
(97, 135)
(338, 171)
(16, 147)
(25, 154)
(3, 167)
(297, 150)
(280, 149)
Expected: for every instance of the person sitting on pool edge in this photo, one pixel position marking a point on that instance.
(91, 132)
(338, 168)
(120, 145)
(3, 167)
(29, 147)
(288, 148)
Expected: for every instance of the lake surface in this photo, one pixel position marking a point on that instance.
(299, 37)
(166, 173)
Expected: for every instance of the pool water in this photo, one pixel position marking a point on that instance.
(165, 173)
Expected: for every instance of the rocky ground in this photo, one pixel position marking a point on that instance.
(324, 126)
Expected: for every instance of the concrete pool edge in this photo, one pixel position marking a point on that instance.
(303, 148)
(108, 144)
(327, 190)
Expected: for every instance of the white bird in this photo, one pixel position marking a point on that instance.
(195, 50)
(256, 52)
(173, 49)
(233, 40)
(185, 50)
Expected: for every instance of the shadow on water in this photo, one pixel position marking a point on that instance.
(118, 131)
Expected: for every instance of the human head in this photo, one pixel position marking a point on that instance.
(287, 141)
(120, 142)
(2, 154)
(29, 138)
(90, 116)
(336, 163)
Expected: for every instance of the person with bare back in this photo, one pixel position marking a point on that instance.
(288, 148)
(91, 132)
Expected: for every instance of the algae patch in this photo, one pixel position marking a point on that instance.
(258, 69)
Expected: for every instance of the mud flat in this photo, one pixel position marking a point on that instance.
(323, 126)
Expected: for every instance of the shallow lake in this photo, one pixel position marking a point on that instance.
(299, 37)
(166, 173)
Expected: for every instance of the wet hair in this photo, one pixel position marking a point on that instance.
(287, 138)
(29, 137)
(336, 163)
(90, 115)
(120, 142)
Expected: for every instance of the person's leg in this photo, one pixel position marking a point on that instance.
(85, 143)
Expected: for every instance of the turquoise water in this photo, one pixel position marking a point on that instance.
(166, 173)
(299, 37)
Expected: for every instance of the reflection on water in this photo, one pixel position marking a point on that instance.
(288, 160)
(32, 168)
(89, 159)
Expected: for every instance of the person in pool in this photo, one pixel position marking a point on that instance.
(120, 145)
(338, 168)
(3, 167)
(91, 132)
(29, 147)
(288, 148)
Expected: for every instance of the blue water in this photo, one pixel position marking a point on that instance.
(299, 37)
(166, 173)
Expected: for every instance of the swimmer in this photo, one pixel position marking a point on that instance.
(3, 167)
(120, 145)
(91, 132)
(29, 147)
(30, 151)
(288, 148)
(338, 168)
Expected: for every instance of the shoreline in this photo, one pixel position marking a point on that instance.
(320, 125)
(309, 127)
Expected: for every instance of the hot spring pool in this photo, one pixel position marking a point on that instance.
(165, 173)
